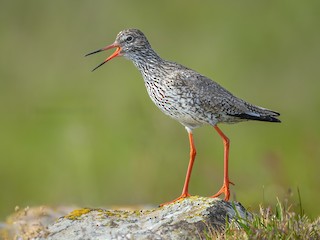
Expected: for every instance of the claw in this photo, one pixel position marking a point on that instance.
(224, 190)
(184, 195)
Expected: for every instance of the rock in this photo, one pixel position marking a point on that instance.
(190, 218)
(29, 222)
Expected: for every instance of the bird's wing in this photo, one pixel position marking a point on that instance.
(219, 101)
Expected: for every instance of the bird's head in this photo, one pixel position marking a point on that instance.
(129, 43)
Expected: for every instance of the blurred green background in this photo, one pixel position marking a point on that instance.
(70, 136)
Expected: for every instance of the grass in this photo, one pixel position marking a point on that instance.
(278, 222)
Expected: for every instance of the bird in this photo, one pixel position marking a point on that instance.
(187, 96)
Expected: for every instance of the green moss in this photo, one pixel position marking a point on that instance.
(76, 214)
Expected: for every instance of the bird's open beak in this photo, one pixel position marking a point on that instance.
(115, 54)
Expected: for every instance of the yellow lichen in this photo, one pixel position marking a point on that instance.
(76, 214)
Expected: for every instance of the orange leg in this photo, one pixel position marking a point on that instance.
(225, 187)
(185, 192)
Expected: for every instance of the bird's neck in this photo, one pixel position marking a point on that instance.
(149, 63)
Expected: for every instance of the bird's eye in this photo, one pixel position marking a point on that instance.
(129, 39)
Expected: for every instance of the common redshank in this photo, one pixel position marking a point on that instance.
(187, 96)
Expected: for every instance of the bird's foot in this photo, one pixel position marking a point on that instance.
(183, 195)
(224, 190)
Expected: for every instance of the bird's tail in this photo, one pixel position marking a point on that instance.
(259, 114)
(265, 118)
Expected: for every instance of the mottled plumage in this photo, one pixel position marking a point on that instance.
(185, 95)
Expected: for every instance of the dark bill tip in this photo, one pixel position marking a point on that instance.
(88, 54)
(98, 66)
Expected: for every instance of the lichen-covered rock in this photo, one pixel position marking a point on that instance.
(27, 223)
(190, 218)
